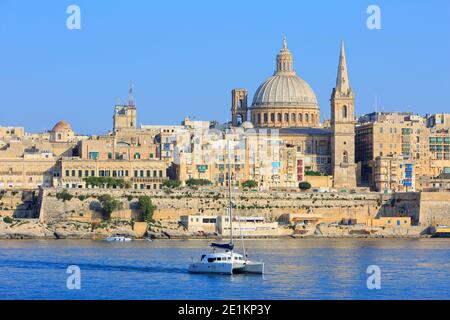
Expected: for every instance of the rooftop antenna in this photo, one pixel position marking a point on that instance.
(130, 95)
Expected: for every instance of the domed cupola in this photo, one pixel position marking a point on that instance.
(285, 100)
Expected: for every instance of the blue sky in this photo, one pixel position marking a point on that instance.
(185, 57)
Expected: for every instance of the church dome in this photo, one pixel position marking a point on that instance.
(285, 99)
(62, 126)
(284, 90)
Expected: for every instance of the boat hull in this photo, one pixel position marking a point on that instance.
(217, 268)
(251, 267)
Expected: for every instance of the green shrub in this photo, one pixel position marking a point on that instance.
(198, 182)
(109, 205)
(171, 184)
(304, 185)
(64, 196)
(8, 220)
(146, 208)
(107, 182)
(250, 184)
(312, 173)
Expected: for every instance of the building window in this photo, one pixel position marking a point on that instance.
(344, 112)
(272, 117)
(67, 173)
(265, 117)
(279, 117)
(259, 118)
(73, 173)
(160, 173)
(345, 157)
(148, 174)
(300, 118)
(293, 117)
(286, 117)
(93, 155)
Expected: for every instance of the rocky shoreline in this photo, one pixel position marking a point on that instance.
(34, 229)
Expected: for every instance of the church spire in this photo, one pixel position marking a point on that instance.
(342, 83)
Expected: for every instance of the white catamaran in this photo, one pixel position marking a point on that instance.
(227, 262)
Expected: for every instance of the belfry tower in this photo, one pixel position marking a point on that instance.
(239, 108)
(125, 115)
(343, 127)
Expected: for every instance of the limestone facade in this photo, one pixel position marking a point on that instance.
(419, 144)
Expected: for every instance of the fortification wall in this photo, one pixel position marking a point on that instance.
(434, 208)
(171, 205)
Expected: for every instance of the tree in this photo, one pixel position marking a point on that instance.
(171, 184)
(312, 173)
(198, 182)
(146, 208)
(64, 196)
(107, 182)
(8, 220)
(304, 185)
(109, 205)
(250, 184)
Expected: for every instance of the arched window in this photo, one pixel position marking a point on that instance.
(293, 117)
(259, 117)
(279, 117)
(312, 119)
(272, 117)
(307, 118)
(265, 117)
(300, 118)
(344, 112)
(345, 157)
(286, 117)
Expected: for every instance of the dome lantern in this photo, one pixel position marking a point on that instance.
(285, 61)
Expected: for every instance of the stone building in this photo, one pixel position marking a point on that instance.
(141, 174)
(287, 103)
(409, 141)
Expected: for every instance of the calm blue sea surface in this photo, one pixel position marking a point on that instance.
(295, 269)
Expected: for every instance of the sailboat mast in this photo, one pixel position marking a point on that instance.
(229, 192)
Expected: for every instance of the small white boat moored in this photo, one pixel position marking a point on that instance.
(118, 238)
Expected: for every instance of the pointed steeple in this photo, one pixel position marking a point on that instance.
(342, 82)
